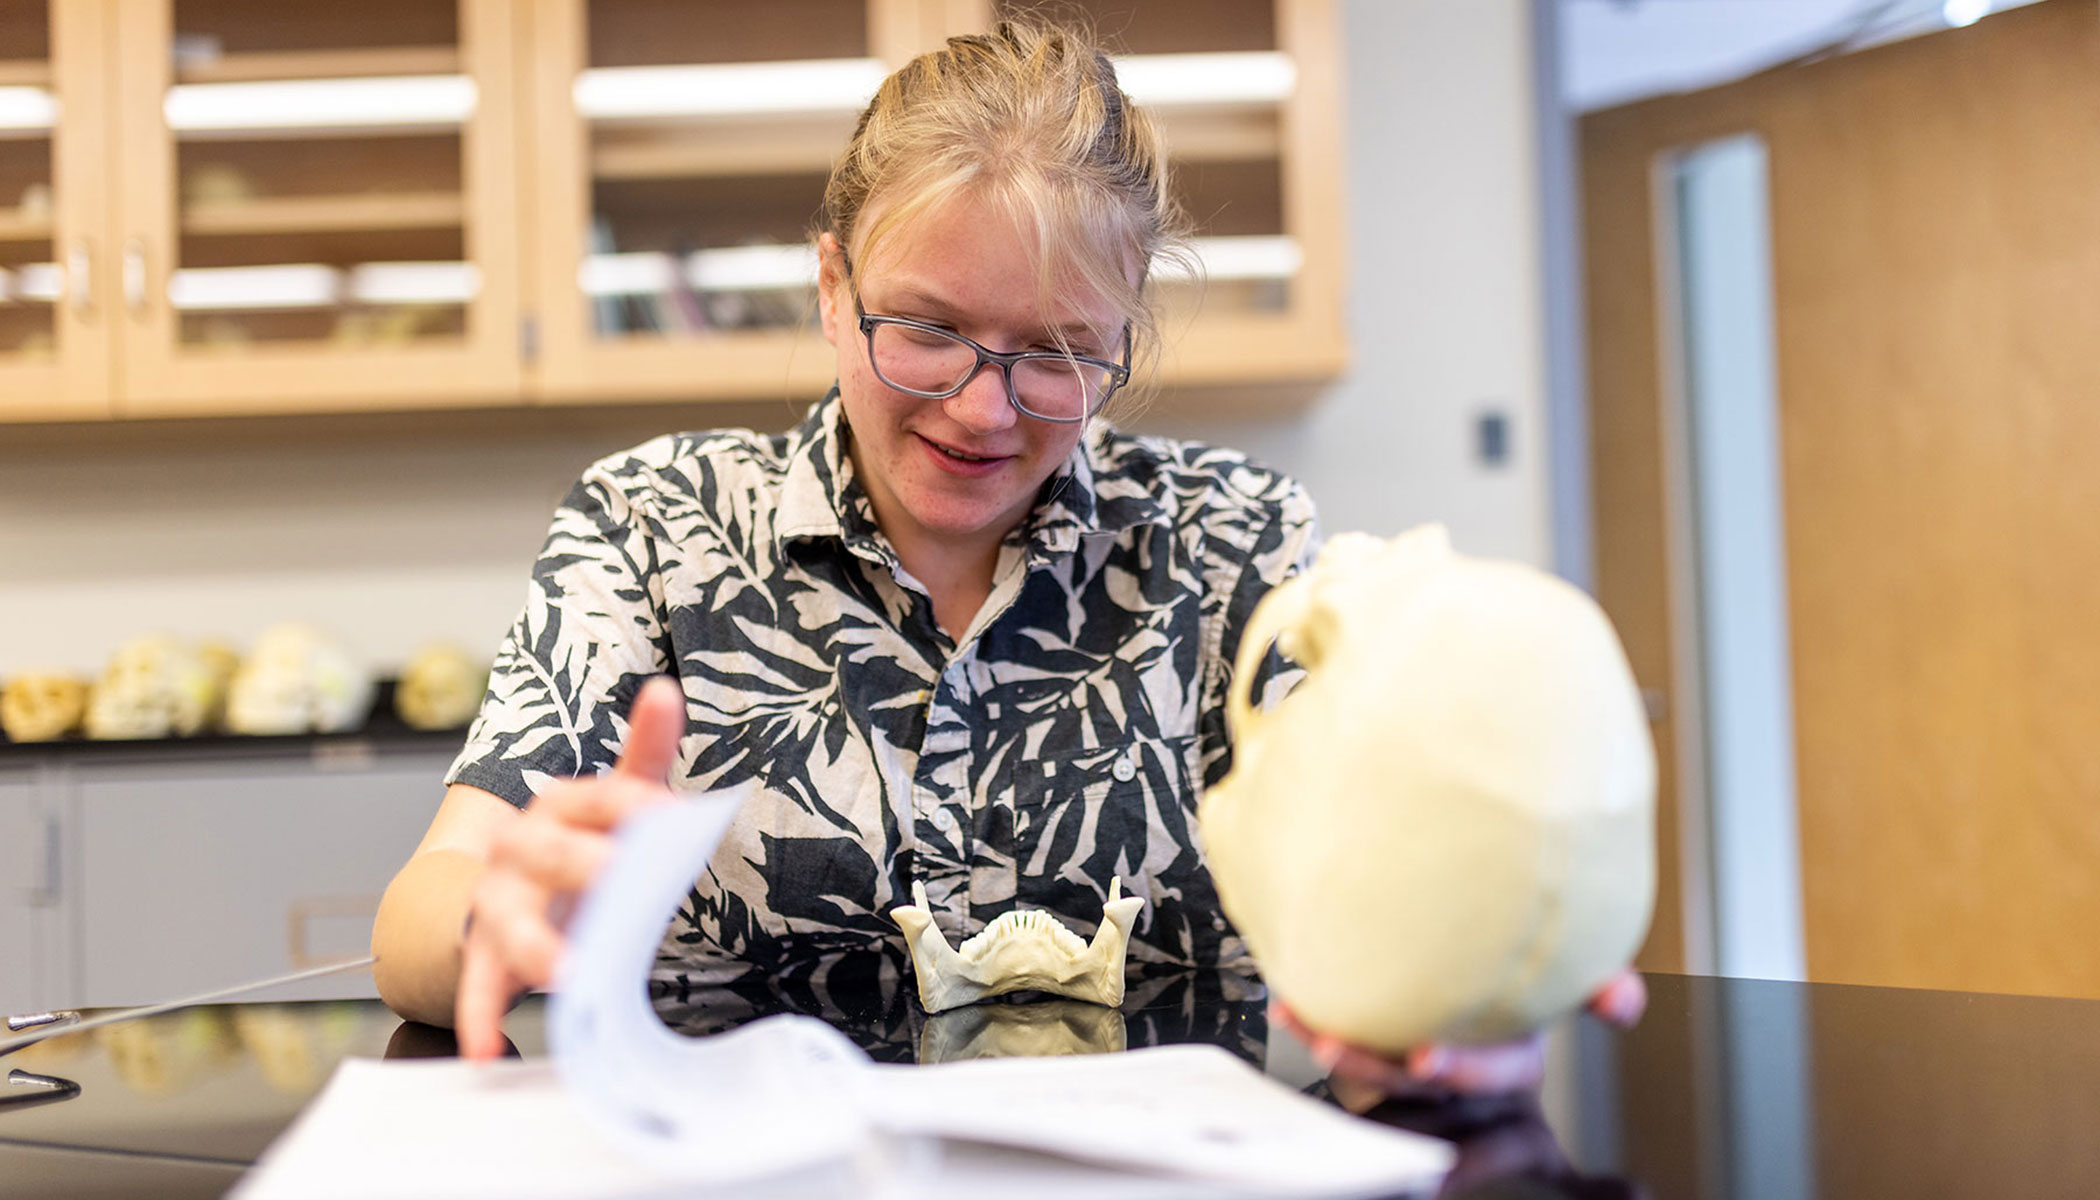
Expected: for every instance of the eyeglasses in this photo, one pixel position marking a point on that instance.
(934, 363)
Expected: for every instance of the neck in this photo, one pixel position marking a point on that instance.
(957, 573)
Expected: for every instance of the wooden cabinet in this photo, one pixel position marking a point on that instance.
(55, 310)
(319, 207)
(247, 207)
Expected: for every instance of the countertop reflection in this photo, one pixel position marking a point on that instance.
(1737, 1088)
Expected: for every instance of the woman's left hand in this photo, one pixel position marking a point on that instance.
(1361, 1077)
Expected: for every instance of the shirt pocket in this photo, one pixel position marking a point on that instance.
(1129, 811)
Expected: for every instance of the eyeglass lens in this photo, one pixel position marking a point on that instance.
(923, 360)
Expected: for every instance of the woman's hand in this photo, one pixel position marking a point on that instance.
(1360, 1078)
(539, 863)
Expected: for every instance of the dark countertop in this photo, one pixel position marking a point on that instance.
(1736, 1088)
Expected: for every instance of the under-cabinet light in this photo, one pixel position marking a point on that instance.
(27, 108)
(33, 283)
(1251, 257)
(1242, 77)
(751, 268)
(637, 274)
(845, 85)
(382, 102)
(306, 285)
(728, 89)
(208, 289)
(730, 269)
(771, 268)
(414, 283)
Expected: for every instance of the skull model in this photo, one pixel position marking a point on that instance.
(1445, 832)
(298, 680)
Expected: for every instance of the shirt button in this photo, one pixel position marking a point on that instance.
(1124, 770)
(944, 820)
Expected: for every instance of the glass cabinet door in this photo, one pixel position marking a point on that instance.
(686, 145)
(320, 206)
(54, 321)
(1248, 95)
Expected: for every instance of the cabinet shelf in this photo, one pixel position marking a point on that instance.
(326, 214)
(17, 226)
(29, 72)
(318, 64)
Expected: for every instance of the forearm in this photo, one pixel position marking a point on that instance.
(417, 935)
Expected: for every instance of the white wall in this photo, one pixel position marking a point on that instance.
(392, 540)
(1446, 314)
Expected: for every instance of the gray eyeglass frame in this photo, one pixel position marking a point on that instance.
(1118, 373)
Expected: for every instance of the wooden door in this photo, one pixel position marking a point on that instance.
(358, 257)
(56, 274)
(1935, 213)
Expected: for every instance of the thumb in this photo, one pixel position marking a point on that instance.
(654, 725)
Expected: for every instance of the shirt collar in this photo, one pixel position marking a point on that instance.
(1090, 495)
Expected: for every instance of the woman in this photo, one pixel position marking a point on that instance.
(949, 630)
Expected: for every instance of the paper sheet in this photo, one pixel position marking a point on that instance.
(788, 1106)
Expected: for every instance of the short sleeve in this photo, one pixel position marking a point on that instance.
(591, 632)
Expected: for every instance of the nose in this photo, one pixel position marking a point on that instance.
(981, 406)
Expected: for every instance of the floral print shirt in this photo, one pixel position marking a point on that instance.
(1061, 741)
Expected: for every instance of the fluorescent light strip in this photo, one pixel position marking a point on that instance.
(27, 108)
(1241, 258)
(414, 283)
(775, 268)
(728, 89)
(752, 268)
(1169, 80)
(405, 100)
(33, 283)
(845, 85)
(733, 269)
(638, 274)
(217, 289)
(312, 285)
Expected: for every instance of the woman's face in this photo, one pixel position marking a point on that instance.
(965, 470)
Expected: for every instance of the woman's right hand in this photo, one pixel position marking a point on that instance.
(538, 864)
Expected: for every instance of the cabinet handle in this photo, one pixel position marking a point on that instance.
(301, 913)
(135, 276)
(80, 278)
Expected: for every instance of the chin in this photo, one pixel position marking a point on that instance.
(960, 517)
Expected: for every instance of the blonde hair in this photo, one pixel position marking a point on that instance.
(1031, 119)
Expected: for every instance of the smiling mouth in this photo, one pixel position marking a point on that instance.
(959, 456)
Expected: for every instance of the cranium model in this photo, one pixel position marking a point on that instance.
(296, 680)
(1446, 830)
(1018, 951)
(440, 688)
(42, 707)
(154, 686)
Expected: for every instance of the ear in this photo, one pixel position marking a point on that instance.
(831, 279)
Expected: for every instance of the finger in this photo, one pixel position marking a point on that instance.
(511, 919)
(555, 856)
(654, 725)
(1283, 1015)
(484, 996)
(1482, 1070)
(1622, 999)
(595, 802)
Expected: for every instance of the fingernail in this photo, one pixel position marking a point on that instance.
(1428, 1062)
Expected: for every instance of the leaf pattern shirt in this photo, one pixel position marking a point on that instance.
(1061, 741)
